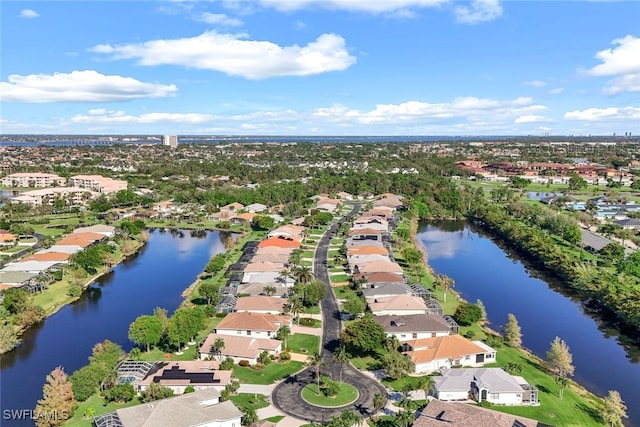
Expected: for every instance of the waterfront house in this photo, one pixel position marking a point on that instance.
(200, 408)
(257, 325)
(492, 385)
(439, 413)
(415, 326)
(431, 354)
(396, 305)
(178, 375)
(261, 304)
(239, 347)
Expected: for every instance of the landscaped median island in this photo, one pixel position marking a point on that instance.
(331, 394)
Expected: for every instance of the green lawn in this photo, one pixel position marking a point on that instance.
(157, 354)
(397, 385)
(346, 395)
(343, 292)
(250, 400)
(311, 310)
(275, 419)
(272, 373)
(303, 343)
(339, 278)
(99, 407)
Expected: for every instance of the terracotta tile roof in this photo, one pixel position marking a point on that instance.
(240, 346)
(445, 347)
(440, 413)
(260, 302)
(48, 256)
(247, 216)
(379, 277)
(380, 267)
(7, 237)
(256, 267)
(361, 231)
(246, 321)
(80, 239)
(396, 302)
(273, 250)
(367, 250)
(280, 243)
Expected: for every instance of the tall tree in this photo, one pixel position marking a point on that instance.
(378, 402)
(341, 355)
(614, 409)
(512, 333)
(146, 331)
(218, 345)
(282, 334)
(249, 416)
(315, 360)
(559, 358)
(562, 382)
(58, 402)
(427, 384)
(396, 365)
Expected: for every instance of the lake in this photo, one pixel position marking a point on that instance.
(155, 277)
(484, 270)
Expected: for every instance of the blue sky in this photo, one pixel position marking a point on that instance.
(320, 67)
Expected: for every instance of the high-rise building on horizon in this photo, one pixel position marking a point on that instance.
(170, 141)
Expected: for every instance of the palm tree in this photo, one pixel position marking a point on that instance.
(426, 384)
(341, 355)
(303, 274)
(218, 345)
(249, 416)
(269, 290)
(295, 257)
(378, 402)
(283, 333)
(446, 283)
(315, 360)
(295, 306)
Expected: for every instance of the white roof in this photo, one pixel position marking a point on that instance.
(67, 249)
(31, 266)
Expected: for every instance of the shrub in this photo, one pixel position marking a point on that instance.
(494, 341)
(467, 314)
(285, 356)
(120, 393)
(258, 366)
(227, 364)
(74, 291)
(244, 363)
(189, 389)
(470, 334)
(306, 321)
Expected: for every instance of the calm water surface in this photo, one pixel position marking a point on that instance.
(482, 270)
(155, 277)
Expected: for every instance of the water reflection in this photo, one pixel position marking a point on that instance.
(486, 269)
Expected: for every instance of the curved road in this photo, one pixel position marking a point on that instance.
(287, 395)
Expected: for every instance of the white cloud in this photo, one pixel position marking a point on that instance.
(231, 54)
(531, 118)
(556, 91)
(79, 86)
(469, 108)
(372, 6)
(628, 83)
(624, 59)
(218, 19)
(601, 114)
(102, 116)
(480, 11)
(535, 83)
(29, 13)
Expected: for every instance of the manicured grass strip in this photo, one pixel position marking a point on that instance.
(311, 310)
(303, 343)
(250, 400)
(275, 419)
(339, 278)
(347, 394)
(268, 375)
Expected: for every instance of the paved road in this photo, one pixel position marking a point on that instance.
(287, 395)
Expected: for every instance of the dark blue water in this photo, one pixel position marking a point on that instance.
(156, 277)
(482, 270)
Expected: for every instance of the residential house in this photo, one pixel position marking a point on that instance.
(178, 375)
(261, 304)
(492, 385)
(627, 224)
(368, 279)
(243, 218)
(280, 242)
(201, 408)
(367, 250)
(257, 325)
(255, 208)
(257, 288)
(439, 413)
(288, 231)
(7, 239)
(413, 327)
(398, 305)
(60, 257)
(106, 230)
(431, 354)
(367, 233)
(378, 267)
(327, 205)
(239, 347)
(380, 290)
(98, 183)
